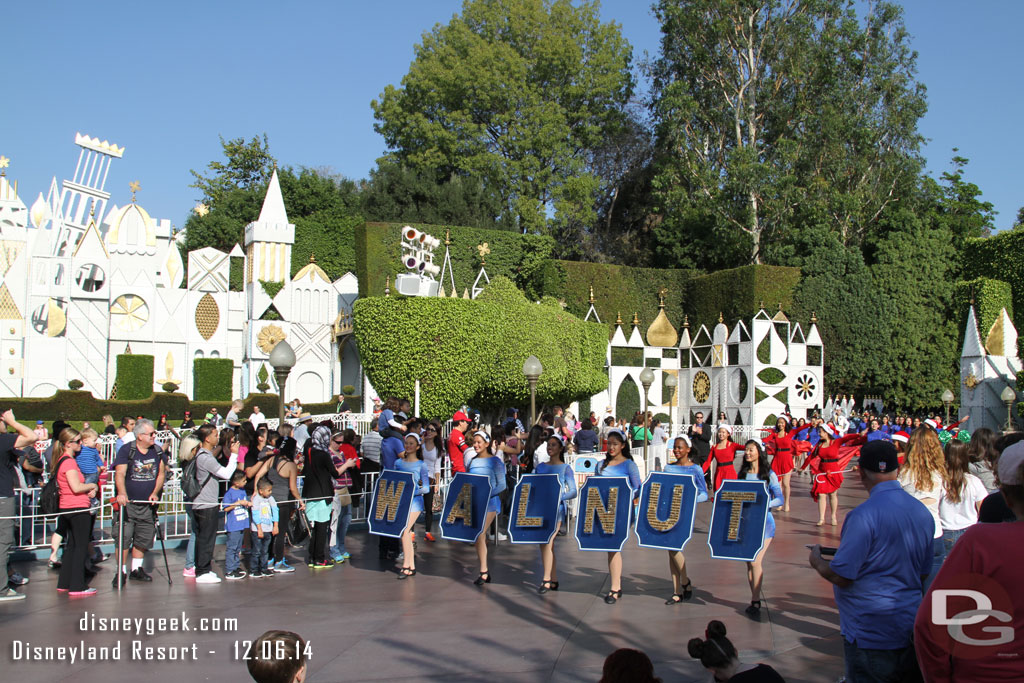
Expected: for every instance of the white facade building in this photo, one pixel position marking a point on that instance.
(986, 370)
(80, 283)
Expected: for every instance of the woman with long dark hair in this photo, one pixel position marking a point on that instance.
(723, 456)
(487, 464)
(618, 463)
(982, 454)
(567, 485)
(433, 449)
(682, 587)
(75, 498)
(283, 474)
(781, 441)
(534, 439)
(959, 508)
(412, 461)
(755, 468)
(718, 655)
(828, 476)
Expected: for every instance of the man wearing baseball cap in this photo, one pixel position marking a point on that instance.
(457, 441)
(885, 552)
(983, 567)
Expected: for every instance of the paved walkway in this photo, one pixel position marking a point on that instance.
(365, 625)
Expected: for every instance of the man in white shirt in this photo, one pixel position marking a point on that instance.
(257, 418)
(301, 433)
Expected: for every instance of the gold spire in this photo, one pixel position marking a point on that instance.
(618, 318)
(387, 286)
(721, 318)
(312, 257)
(686, 322)
(134, 186)
(761, 305)
(636, 319)
(814, 318)
(591, 295)
(661, 298)
(447, 237)
(662, 332)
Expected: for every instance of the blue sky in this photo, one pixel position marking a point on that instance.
(165, 79)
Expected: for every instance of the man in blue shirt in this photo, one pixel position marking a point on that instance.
(885, 552)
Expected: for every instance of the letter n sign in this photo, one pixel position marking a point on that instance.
(603, 519)
(738, 520)
(667, 506)
(389, 509)
(465, 507)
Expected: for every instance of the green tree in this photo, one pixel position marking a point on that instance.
(771, 115)
(515, 93)
(247, 165)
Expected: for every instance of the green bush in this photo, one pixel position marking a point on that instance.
(134, 377)
(1000, 257)
(990, 297)
(771, 375)
(627, 356)
(236, 273)
(737, 293)
(472, 351)
(271, 288)
(212, 379)
(169, 387)
(75, 384)
(627, 399)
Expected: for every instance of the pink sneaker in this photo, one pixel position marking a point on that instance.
(189, 572)
(83, 594)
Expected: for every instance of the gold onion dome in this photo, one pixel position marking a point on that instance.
(662, 332)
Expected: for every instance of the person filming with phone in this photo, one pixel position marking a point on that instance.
(885, 553)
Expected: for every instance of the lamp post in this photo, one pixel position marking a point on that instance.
(947, 400)
(532, 369)
(1009, 396)
(646, 379)
(282, 359)
(671, 382)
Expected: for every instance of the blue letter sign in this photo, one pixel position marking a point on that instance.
(534, 509)
(603, 519)
(738, 520)
(389, 507)
(667, 506)
(465, 507)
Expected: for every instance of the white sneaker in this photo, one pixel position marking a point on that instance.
(208, 577)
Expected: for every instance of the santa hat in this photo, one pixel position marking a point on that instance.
(830, 429)
(901, 436)
(726, 428)
(932, 423)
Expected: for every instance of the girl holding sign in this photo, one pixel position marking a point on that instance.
(493, 468)
(682, 589)
(723, 454)
(411, 461)
(618, 463)
(567, 484)
(755, 467)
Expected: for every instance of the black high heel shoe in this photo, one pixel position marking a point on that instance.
(675, 599)
(545, 586)
(754, 610)
(480, 580)
(405, 573)
(613, 597)
(554, 585)
(688, 590)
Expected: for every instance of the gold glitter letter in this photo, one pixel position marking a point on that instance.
(463, 507)
(737, 498)
(521, 519)
(605, 515)
(675, 507)
(388, 496)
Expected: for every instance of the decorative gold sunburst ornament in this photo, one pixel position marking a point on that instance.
(201, 209)
(701, 387)
(268, 338)
(971, 381)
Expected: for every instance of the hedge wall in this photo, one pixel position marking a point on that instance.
(737, 293)
(378, 248)
(617, 289)
(1000, 257)
(990, 296)
(134, 377)
(212, 379)
(472, 351)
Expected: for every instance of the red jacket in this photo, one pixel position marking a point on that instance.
(456, 447)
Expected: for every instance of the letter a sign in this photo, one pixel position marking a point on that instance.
(465, 507)
(534, 509)
(738, 520)
(389, 509)
(667, 506)
(603, 519)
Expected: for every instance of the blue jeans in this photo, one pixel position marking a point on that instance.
(938, 556)
(260, 546)
(233, 555)
(190, 549)
(864, 665)
(341, 517)
(949, 539)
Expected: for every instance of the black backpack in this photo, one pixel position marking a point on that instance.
(49, 497)
(190, 485)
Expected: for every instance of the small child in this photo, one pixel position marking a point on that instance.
(264, 527)
(236, 521)
(88, 458)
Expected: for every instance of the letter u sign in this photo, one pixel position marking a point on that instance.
(667, 506)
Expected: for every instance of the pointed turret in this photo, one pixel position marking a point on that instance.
(273, 211)
(972, 341)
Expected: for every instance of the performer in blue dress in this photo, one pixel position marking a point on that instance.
(618, 463)
(487, 464)
(567, 483)
(682, 589)
(755, 467)
(411, 461)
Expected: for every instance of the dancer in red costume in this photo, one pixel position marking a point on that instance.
(779, 444)
(723, 454)
(833, 454)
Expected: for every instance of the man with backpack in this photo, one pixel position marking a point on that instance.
(140, 468)
(13, 437)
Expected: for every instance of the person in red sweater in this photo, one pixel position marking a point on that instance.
(829, 477)
(986, 560)
(723, 455)
(457, 442)
(779, 444)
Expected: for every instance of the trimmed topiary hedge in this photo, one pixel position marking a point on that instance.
(990, 296)
(737, 293)
(999, 257)
(472, 351)
(212, 379)
(134, 377)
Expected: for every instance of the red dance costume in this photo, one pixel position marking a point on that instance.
(782, 448)
(725, 457)
(831, 461)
